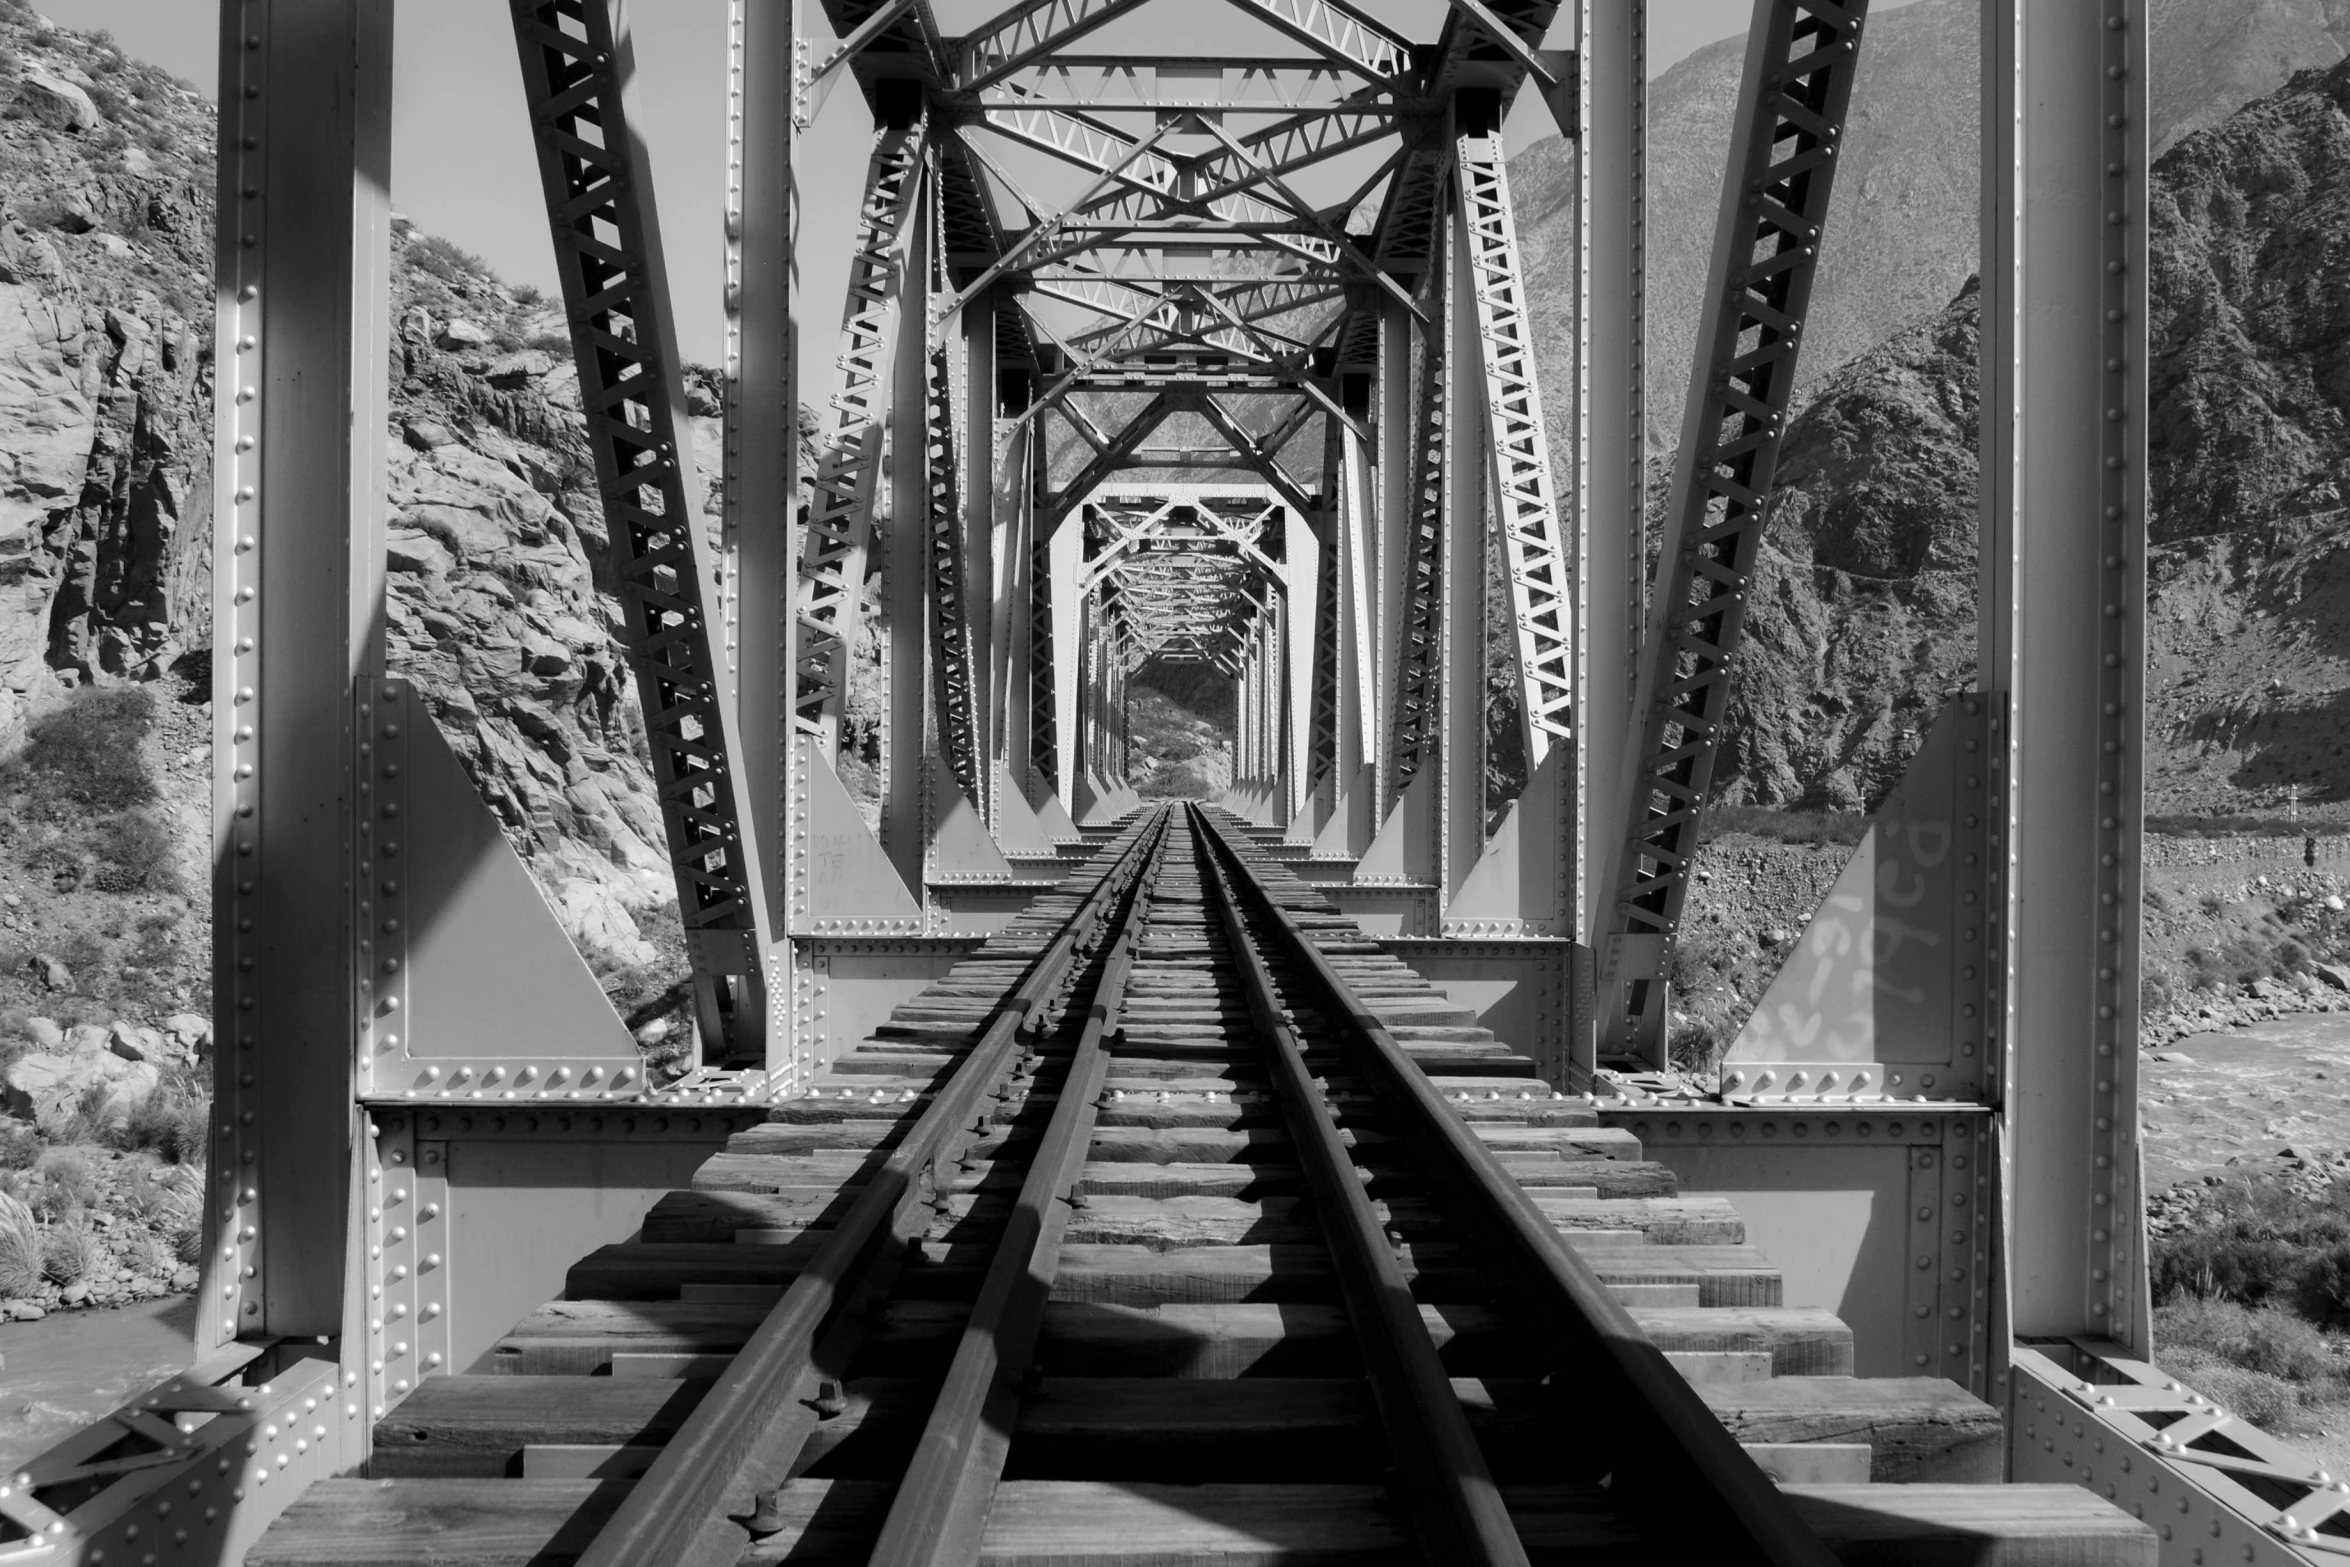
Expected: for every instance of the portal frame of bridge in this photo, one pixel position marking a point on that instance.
(345, 1131)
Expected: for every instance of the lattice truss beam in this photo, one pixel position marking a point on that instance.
(575, 72)
(1185, 574)
(1782, 163)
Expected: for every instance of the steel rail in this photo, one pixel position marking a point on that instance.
(940, 1512)
(1734, 1512)
(678, 1513)
(1456, 1508)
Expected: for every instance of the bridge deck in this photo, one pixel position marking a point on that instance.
(1202, 1384)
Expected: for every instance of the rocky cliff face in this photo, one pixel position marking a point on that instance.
(105, 480)
(2249, 688)
(1863, 604)
(105, 348)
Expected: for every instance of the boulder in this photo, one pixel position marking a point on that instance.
(190, 1029)
(76, 213)
(133, 1042)
(426, 434)
(460, 334)
(602, 928)
(518, 370)
(55, 102)
(87, 1039)
(44, 1032)
(48, 1089)
(54, 975)
(2334, 974)
(28, 257)
(418, 554)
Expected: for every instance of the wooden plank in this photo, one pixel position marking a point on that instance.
(443, 1523)
(1811, 1463)
(475, 1425)
(1920, 1429)
(1723, 1365)
(1973, 1526)
(1037, 1523)
(1800, 1340)
(1652, 1295)
(586, 1462)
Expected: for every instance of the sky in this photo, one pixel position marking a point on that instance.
(463, 168)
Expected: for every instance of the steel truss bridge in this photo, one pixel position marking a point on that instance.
(1227, 360)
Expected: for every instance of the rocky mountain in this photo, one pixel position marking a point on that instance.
(1864, 605)
(1901, 234)
(497, 550)
(2249, 689)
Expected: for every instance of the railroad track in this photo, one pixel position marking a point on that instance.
(1182, 1223)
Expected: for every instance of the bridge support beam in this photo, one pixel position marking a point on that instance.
(2062, 626)
(298, 617)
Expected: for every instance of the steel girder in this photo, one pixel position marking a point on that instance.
(2062, 621)
(1544, 581)
(1775, 198)
(848, 460)
(1322, 726)
(1413, 713)
(954, 658)
(576, 67)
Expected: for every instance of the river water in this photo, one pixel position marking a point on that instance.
(62, 1372)
(2213, 1102)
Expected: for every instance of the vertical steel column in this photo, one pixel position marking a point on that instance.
(903, 534)
(1120, 762)
(1388, 537)
(1330, 640)
(1302, 611)
(1414, 704)
(2062, 600)
(1357, 599)
(979, 536)
(1459, 728)
(1610, 420)
(1017, 613)
(298, 582)
(762, 454)
(1066, 617)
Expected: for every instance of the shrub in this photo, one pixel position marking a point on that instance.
(83, 756)
(2257, 1396)
(2321, 1285)
(143, 1253)
(63, 1183)
(172, 1121)
(74, 1252)
(20, 1248)
(2268, 1339)
(2264, 1246)
(20, 1145)
(134, 854)
(1696, 1043)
